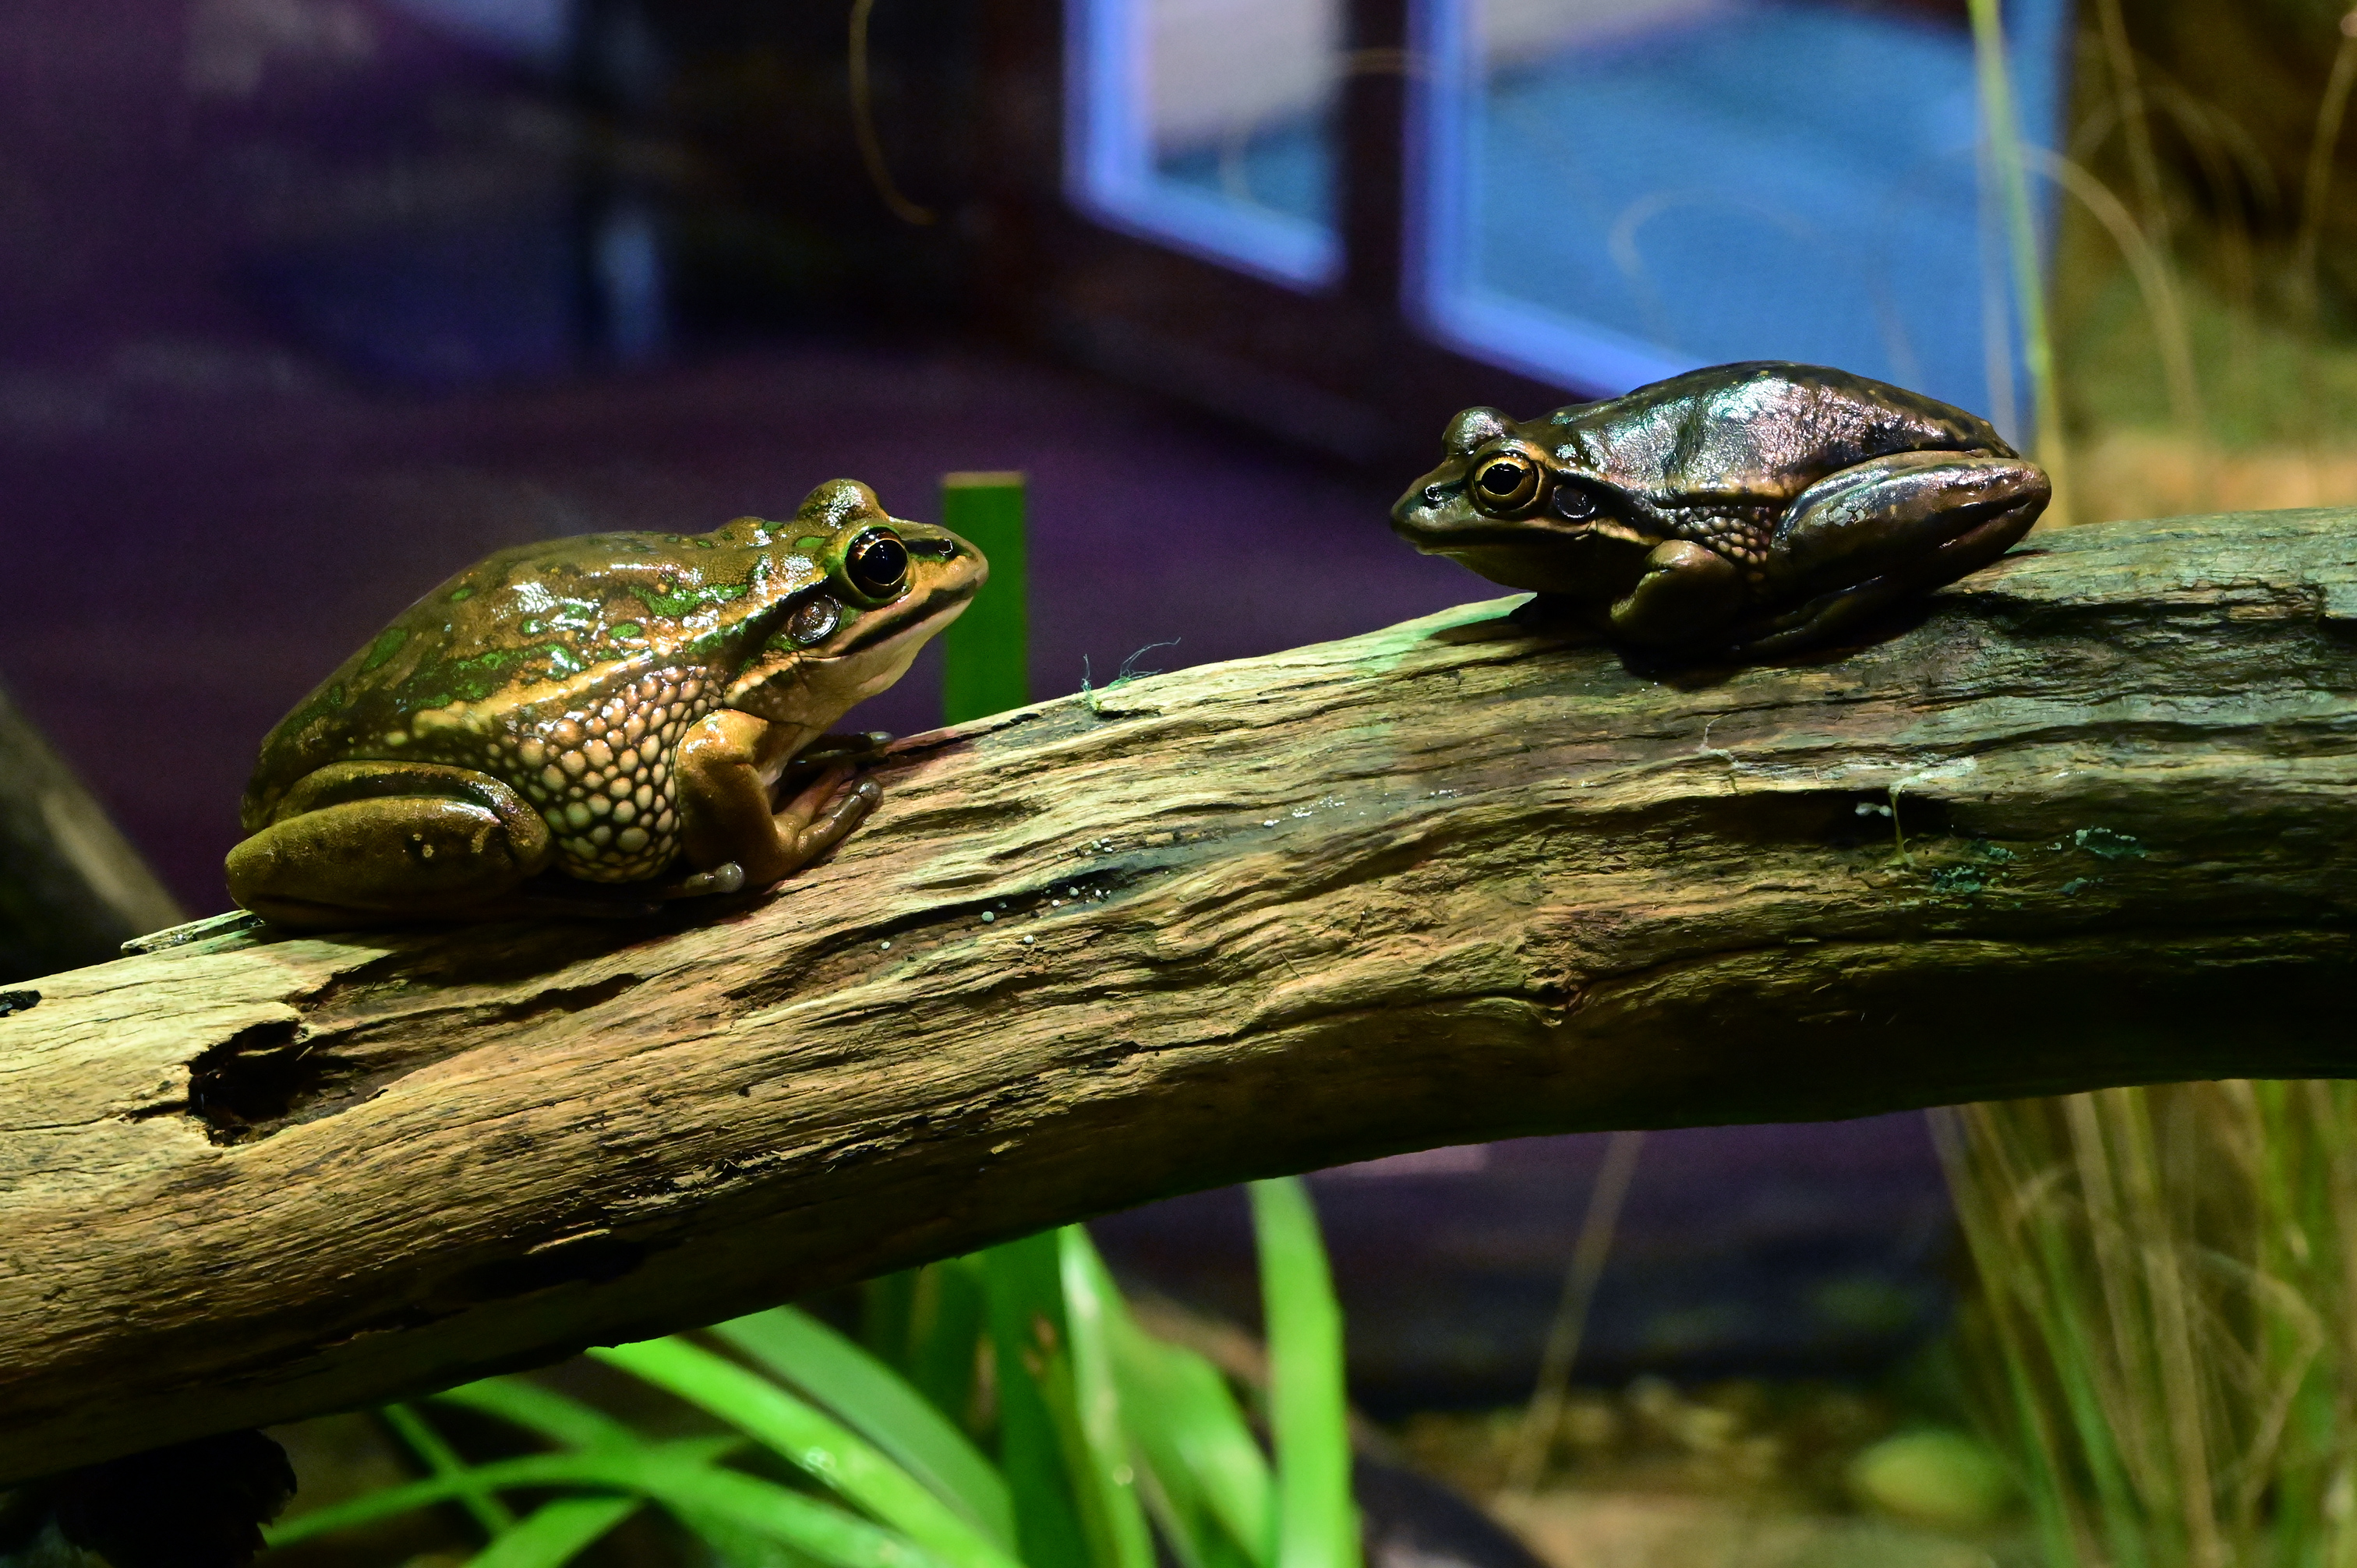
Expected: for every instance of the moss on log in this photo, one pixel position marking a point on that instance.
(2092, 821)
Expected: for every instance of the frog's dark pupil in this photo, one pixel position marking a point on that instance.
(877, 562)
(1502, 479)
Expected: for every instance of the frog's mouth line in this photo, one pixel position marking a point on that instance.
(1440, 539)
(940, 604)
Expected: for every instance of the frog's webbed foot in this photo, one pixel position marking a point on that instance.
(823, 815)
(1687, 595)
(1902, 524)
(731, 814)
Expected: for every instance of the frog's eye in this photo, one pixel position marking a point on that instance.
(1507, 482)
(876, 563)
(813, 620)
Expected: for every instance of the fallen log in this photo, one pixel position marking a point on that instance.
(2092, 821)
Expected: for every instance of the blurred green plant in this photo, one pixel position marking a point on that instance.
(2169, 1287)
(2190, 318)
(1005, 1410)
(2168, 1276)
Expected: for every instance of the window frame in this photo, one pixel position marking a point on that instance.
(1358, 366)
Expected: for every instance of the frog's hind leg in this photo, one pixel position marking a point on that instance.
(1871, 535)
(357, 843)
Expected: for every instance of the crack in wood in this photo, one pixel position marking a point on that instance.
(284, 1072)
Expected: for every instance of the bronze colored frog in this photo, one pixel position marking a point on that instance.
(609, 708)
(1748, 509)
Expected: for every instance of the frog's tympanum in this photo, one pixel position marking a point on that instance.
(1746, 509)
(619, 708)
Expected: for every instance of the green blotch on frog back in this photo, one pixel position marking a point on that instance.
(380, 651)
(1964, 879)
(328, 701)
(475, 679)
(2106, 845)
(682, 602)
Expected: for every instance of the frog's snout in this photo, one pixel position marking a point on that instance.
(1422, 515)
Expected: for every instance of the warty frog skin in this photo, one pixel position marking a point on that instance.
(618, 709)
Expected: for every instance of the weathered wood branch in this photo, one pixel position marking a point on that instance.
(2089, 822)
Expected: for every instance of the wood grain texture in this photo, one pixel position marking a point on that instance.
(1443, 881)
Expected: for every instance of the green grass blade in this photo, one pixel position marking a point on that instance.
(1023, 1296)
(543, 1411)
(1316, 1525)
(491, 1514)
(881, 1406)
(1994, 85)
(679, 1475)
(812, 1441)
(1104, 1466)
(945, 1333)
(1198, 1441)
(887, 1306)
(1210, 1484)
(833, 1535)
(523, 1403)
(555, 1533)
(927, 1324)
(623, 1470)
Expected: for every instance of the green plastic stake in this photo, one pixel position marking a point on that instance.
(985, 653)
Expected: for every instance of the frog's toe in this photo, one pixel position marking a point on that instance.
(840, 819)
(822, 816)
(840, 747)
(728, 876)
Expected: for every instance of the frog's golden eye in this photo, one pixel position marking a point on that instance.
(1507, 482)
(878, 564)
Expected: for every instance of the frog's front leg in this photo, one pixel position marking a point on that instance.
(725, 801)
(1684, 595)
(1857, 540)
(358, 842)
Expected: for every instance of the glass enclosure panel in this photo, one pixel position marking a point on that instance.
(1612, 191)
(1209, 124)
